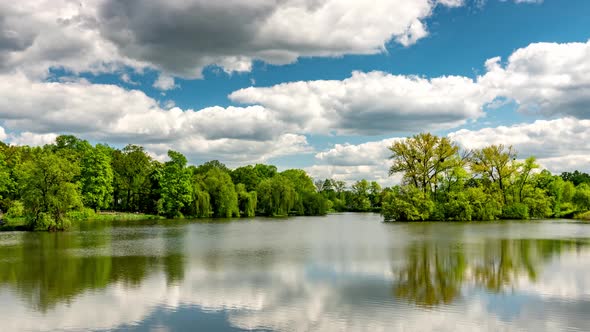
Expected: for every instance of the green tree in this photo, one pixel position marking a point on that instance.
(132, 170)
(247, 176)
(422, 158)
(49, 190)
(582, 197)
(96, 178)
(246, 201)
(495, 163)
(276, 196)
(360, 196)
(175, 185)
(407, 203)
(224, 199)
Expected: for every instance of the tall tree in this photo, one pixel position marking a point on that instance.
(132, 170)
(175, 184)
(496, 163)
(48, 190)
(96, 177)
(422, 158)
(224, 199)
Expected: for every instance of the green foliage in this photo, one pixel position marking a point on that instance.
(223, 196)
(539, 204)
(458, 207)
(360, 200)
(175, 185)
(583, 216)
(82, 214)
(200, 204)
(276, 196)
(576, 177)
(71, 180)
(246, 201)
(49, 190)
(16, 210)
(96, 178)
(495, 163)
(132, 183)
(422, 158)
(516, 211)
(582, 197)
(407, 203)
(484, 205)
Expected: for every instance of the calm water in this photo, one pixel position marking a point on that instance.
(341, 272)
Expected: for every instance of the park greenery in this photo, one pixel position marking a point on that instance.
(46, 188)
(442, 183)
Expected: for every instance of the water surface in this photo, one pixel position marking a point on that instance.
(340, 272)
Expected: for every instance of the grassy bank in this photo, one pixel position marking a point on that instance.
(20, 224)
(583, 216)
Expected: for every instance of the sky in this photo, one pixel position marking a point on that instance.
(323, 85)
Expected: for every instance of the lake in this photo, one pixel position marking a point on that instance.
(339, 272)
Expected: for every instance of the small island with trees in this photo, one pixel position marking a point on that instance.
(49, 187)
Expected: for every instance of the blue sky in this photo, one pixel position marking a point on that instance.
(270, 81)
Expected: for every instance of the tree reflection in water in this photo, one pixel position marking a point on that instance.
(433, 274)
(52, 268)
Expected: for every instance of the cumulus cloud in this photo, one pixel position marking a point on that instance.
(165, 82)
(560, 145)
(115, 115)
(353, 162)
(182, 37)
(39, 35)
(372, 103)
(544, 78)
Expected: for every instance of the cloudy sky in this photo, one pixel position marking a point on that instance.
(324, 85)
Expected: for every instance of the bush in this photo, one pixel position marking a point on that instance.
(458, 208)
(16, 210)
(82, 214)
(45, 222)
(484, 206)
(407, 204)
(516, 211)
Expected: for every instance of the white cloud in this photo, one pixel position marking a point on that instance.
(560, 145)
(544, 78)
(42, 34)
(165, 82)
(181, 38)
(353, 162)
(372, 103)
(368, 153)
(111, 114)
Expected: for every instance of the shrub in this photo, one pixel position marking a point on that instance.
(516, 211)
(16, 210)
(407, 204)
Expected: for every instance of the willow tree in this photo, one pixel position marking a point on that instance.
(276, 196)
(422, 158)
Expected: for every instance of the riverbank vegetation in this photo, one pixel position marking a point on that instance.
(46, 188)
(442, 183)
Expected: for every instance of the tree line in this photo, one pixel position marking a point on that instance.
(441, 182)
(72, 179)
